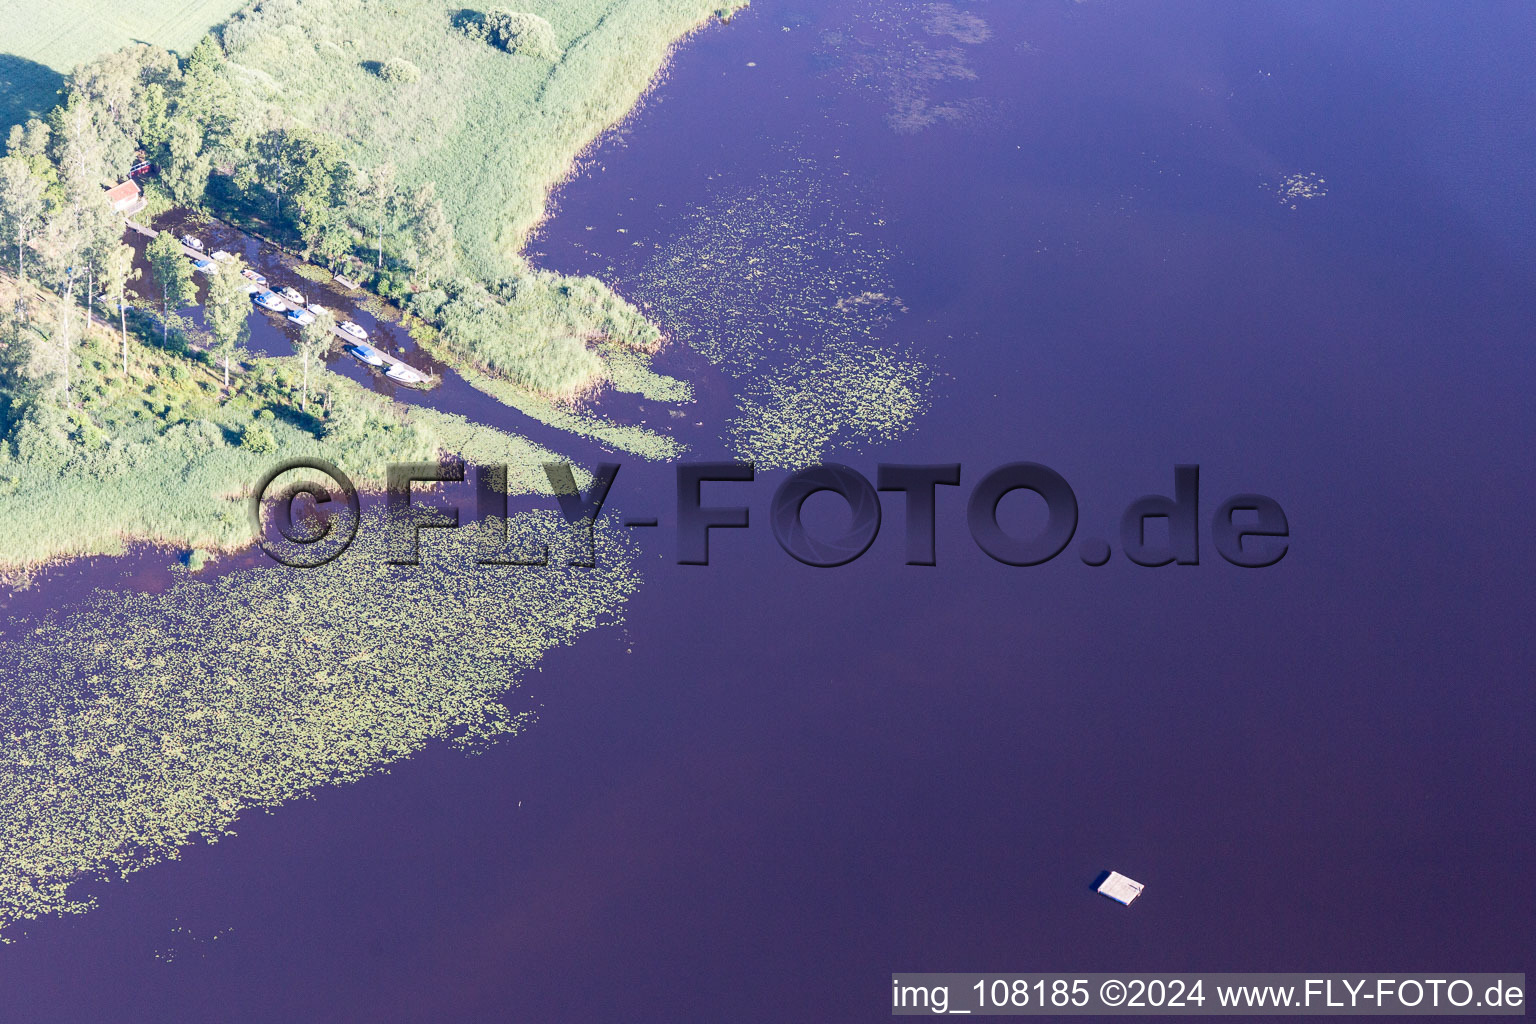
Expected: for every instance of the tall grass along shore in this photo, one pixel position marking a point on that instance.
(413, 146)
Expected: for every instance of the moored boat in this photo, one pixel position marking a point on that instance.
(366, 353)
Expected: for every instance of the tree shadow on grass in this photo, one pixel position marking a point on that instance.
(305, 421)
(469, 21)
(27, 89)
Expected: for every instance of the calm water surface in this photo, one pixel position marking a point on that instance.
(775, 785)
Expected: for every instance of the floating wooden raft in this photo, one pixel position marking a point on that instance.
(1120, 889)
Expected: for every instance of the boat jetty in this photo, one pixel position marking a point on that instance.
(294, 309)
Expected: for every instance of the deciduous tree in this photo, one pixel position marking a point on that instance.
(61, 244)
(154, 118)
(378, 198)
(184, 171)
(228, 311)
(86, 143)
(102, 228)
(431, 234)
(517, 32)
(274, 165)
(21, 207)
(117, 272)
(314, 339)
(29, 142)
(173, 273)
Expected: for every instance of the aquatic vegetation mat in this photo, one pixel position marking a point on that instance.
(785, 286)
(138, 723)
(794, 416)
(1302, 185)
(916, 55)
(632, 371)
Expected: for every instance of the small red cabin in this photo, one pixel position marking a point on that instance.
(123, 197)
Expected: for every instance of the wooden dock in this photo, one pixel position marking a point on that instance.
(425, 380)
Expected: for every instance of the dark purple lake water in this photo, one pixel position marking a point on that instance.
(776, 784)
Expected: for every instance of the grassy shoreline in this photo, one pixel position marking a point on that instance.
(163, 455)
(497, 133)
(139, 723)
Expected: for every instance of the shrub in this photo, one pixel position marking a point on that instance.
(258, 22)
(525, 34)
(471, 23)
(156, 200)
(398, 71)
(196, 559)
(428, 304)
(390, 284)
(195, 435)
(90, 436)
(344, 421)
(38, 443)
(205, 433)
(258, 439)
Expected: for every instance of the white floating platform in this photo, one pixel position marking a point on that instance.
(1120, 889)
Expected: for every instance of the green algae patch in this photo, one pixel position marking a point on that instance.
(137, 724)
(310, 272)
(917, 56)
(793, 416)
(784, 285)
(631, 371)
(781, 266)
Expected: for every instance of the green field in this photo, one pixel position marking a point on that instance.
(44, 41)
(494, 131)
